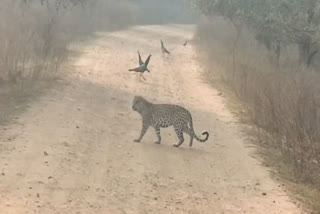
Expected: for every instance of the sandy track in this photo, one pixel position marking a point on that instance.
(73, 150)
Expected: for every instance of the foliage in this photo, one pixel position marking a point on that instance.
(35, 34)
(281, 104)
(273, 22)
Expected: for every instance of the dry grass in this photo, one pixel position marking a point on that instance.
(281, 102)
(35, 37)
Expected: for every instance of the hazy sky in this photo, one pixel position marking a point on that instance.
(163, 11)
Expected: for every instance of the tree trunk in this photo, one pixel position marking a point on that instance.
(307, 51)
(304, 51)
(238, 27)
(311, 56)
(278, 53)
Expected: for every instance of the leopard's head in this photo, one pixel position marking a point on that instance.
(139, 104)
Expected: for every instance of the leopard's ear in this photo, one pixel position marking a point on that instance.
(138, 97)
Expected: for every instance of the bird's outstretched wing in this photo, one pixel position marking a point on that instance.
(140, 60)
(165, 50)
(147, 60)
(137, 69)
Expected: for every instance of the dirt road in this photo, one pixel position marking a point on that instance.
(72, 151)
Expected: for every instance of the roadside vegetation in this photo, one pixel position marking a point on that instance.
(35, 34)
(267, 52)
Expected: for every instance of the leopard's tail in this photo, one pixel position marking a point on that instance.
(206, 133)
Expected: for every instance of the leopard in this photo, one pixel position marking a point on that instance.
(165, 115)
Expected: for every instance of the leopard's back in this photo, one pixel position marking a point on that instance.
(164, 115)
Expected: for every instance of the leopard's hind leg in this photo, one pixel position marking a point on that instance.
(188, 131)
(178, 128)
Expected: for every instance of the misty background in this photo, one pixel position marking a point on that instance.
(35, 34)
(165, 11)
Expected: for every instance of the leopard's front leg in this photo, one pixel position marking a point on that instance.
(144, 129)
(157, 129)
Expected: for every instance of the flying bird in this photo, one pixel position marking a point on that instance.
(163, 49)
(143, 66)
(186, 42)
